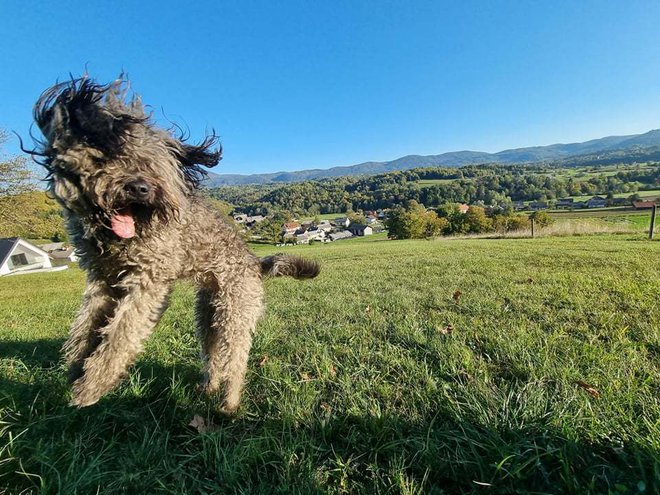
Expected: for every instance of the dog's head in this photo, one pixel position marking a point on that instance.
(109, 165)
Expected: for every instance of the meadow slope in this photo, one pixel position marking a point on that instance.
(541, 375)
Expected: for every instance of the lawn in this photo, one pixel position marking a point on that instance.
(629, 218)
(433, 182)
(450, 366)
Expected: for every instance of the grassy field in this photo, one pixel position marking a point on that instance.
(624, 218)
(541, 376)
(433, 182)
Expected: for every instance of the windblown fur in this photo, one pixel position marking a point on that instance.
(282, 265)
(128, 191)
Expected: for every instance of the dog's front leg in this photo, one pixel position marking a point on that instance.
(134, 319)
(96, 307)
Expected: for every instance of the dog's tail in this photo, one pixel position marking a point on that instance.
(286, 265)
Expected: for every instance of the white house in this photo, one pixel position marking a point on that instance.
(19, 256)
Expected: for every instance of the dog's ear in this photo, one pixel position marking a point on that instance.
(193, 157)
(83, 111)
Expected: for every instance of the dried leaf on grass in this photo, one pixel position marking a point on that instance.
(591, 390)
(447, 330)
(263, 361)
(457, 295)
(201, 425)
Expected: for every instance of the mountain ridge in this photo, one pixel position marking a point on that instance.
(552, 152)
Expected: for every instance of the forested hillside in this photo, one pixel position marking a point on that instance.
(491, 184)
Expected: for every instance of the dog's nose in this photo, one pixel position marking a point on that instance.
(138, 189)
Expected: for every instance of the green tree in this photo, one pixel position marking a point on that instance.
(541, 218)
(269, 231)
(15, 175)
(356, 217)
(476, 221)
(414, 222)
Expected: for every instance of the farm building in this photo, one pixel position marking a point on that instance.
(290, 228)
(59, 251)
(565, 203)
(619, 202)
(249, 221)
(597, 202)
(643, 205)
(360, 230)
(538, 205)
(336, 236)
(19, 256)
(463, 208)
(325, 226)
(342, 222)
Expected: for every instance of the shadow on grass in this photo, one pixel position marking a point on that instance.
(139, 440)
(43, 353)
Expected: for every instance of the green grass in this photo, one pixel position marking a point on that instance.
(323, 216)
(637, 220)
(614, 211)
(433, 182)
(353, 386)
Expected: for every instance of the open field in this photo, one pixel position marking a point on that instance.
(541, 376)
(613, 211)
(323, 216)
(433, 182)
(623, 218)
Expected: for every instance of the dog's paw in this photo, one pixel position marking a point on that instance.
(204, 387)
(229, 406)
(227, 411)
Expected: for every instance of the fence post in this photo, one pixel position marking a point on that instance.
(533, 223)
(652, 227)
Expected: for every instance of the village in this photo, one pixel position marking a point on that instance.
(323, 230)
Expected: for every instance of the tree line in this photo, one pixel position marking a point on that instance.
(414, 221)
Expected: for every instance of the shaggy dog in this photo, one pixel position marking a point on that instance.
(128, 190)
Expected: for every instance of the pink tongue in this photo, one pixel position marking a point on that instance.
(123, 224)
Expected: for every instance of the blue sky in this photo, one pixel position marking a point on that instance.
(294, 85)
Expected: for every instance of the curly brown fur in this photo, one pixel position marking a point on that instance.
(128, 191)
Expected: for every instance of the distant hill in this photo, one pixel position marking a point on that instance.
(617, 146)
